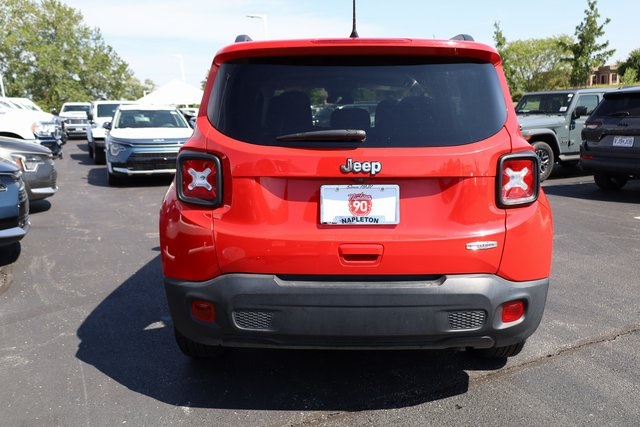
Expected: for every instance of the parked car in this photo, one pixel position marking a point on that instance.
(144, 140)
(101, 112)
(428, 229)
(611, 140)
(37, 165)
(74, 115)
(25, 103)
(32, 126)
(552, 122)
(14, 205)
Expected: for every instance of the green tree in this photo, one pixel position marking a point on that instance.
(585, 52)
(632, 62)
(49, 54)
(534, 64)
(629, 78)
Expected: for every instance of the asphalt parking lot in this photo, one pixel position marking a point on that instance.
(87, 340)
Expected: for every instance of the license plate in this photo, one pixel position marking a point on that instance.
(360, 204)
(623, 141)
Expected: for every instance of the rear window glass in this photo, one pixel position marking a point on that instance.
(397, 101)
(619, 105)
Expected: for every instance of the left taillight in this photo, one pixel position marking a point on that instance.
(199, 178)
(518, 179)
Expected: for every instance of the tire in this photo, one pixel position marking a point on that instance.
(610, 182)
(197, 350)
(90, 149)
(547, 158)
(499, 352)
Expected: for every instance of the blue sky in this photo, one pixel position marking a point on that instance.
(159, 38)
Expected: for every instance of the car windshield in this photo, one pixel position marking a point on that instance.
(85, 108)
(107, 110)
(396, 101)
(150, 119)
(544, 103)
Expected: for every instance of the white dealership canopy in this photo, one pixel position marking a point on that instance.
(176, 92)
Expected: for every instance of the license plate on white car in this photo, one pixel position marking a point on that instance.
(360, 204)
(623, 141)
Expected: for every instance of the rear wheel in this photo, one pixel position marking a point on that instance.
(197, 350)
(499, 352)
(610, 182)
(547, 158)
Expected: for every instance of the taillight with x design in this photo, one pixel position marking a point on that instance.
(518, 179)
(199, 178)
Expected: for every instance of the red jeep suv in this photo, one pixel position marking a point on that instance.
(416, 221)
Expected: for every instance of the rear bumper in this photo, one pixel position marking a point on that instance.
(259, 310)
(614, 162)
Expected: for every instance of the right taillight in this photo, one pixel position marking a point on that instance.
(199, 178)
(518, 179)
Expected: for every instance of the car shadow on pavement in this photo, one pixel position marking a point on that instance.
(588, 190)
(38, 206)
(82, 158)
(97, 176)
(129, 338)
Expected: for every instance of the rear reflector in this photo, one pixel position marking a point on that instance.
(199, 178)
(512, 311)
(518, 180)
(203, 311)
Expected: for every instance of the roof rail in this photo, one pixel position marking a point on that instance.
(465, 37)
(243, 38)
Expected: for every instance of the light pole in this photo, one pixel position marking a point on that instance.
(181, 58)
(264, 23)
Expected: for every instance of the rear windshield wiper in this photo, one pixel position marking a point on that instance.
(347, 135)
(619, 114)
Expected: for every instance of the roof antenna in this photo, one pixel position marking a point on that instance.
(354, 33)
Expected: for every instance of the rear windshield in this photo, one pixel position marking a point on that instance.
(619, 105)
(397, 101)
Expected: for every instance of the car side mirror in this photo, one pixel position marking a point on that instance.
(579, 112)
(54, 112)
(107, 125)
(90, 117)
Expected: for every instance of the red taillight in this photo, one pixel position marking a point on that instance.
(592, 124)
(203, 311)
(512, 311)
(518, 179)
(199, 178)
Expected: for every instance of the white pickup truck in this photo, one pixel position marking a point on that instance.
(34, 126)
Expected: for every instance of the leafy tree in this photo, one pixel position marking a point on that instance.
(632, 62)
(586, 52)
(534, 64)
(49, 54)
(630, 77)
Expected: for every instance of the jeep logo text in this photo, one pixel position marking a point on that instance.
(361, 167)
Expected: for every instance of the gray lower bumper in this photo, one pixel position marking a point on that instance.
(442, 312)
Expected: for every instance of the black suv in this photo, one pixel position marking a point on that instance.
(611, 139)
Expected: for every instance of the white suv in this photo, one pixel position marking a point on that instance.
(101, 112)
